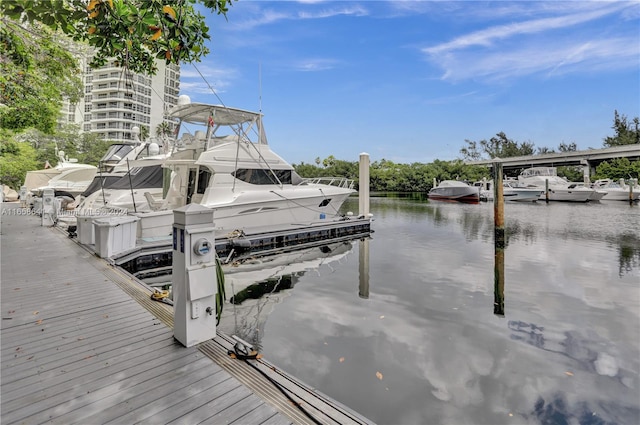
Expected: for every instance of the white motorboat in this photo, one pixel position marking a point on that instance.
(597, 194)
(619, 191)
(454, 190)
(510, 191)
(68, 177)
(230, 167)
(559, 188)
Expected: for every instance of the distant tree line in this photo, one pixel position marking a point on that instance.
(387, 176)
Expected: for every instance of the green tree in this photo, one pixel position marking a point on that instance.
(567, 147)
(133, 32)
(626, 133)
(619, 168)
(499, 146)
(144, 133)
(16, 158)
(36, 74)
(164, 129)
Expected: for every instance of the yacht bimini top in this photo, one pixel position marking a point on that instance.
(218, 120)
(199, 113)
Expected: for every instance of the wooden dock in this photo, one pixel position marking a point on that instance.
(83, 342)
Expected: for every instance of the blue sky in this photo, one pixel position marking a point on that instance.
(410, 81)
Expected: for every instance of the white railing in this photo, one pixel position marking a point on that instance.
(342, 182)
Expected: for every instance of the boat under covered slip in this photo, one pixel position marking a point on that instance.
(234, 171)
(454, 190)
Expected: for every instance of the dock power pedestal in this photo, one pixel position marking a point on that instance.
(194, 280)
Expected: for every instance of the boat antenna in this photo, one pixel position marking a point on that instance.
(209, 85)
(260, 87)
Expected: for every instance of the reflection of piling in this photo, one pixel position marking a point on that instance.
(631, 183)
(363, 268)
(498, 286)
(363, 185)
(499, 242)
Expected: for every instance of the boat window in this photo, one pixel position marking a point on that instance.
(203, 180)
(191, 185)
(116, 152)
(260, 176)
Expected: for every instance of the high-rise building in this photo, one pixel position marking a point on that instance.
(116, 100)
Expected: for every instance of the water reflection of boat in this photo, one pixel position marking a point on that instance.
(244, 273)
(454, 190)
(255, 287)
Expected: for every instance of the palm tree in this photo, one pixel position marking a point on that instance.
(144, 132)
(164, 128)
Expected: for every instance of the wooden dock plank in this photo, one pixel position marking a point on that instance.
(238, 411)
(169, 401)
(176, 413)
(81, 342)
(52, 382)
(214, 407)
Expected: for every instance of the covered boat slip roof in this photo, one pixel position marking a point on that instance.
(199, 113)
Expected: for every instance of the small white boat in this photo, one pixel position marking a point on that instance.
(454, 190)
(618, 191)
(559, 188)
(597, 194)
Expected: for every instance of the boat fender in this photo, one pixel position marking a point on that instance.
(241, 243)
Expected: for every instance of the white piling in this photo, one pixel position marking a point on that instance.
(363, 191)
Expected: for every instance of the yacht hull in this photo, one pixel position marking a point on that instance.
(243, 215)
(568, 195)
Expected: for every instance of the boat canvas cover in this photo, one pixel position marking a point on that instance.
(141, 177)
(39, 178)
(100, 182)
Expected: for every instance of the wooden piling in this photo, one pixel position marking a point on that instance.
(546, 191)
(499, 241)
(498, 203)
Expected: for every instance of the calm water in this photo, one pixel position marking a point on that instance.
(418, 341)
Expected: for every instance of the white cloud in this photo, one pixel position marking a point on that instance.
(312, 65)
(269, 16)
(551, 45)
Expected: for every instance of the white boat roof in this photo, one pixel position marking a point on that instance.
(199, 113)
(452, 183)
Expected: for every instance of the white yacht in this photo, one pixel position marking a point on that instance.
(230, 167)
(510, 191)
(618, 191)
(130, 175)
(68, 177)
(559, 188)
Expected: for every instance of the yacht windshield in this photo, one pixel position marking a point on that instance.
(116, 152)
(260, 176)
